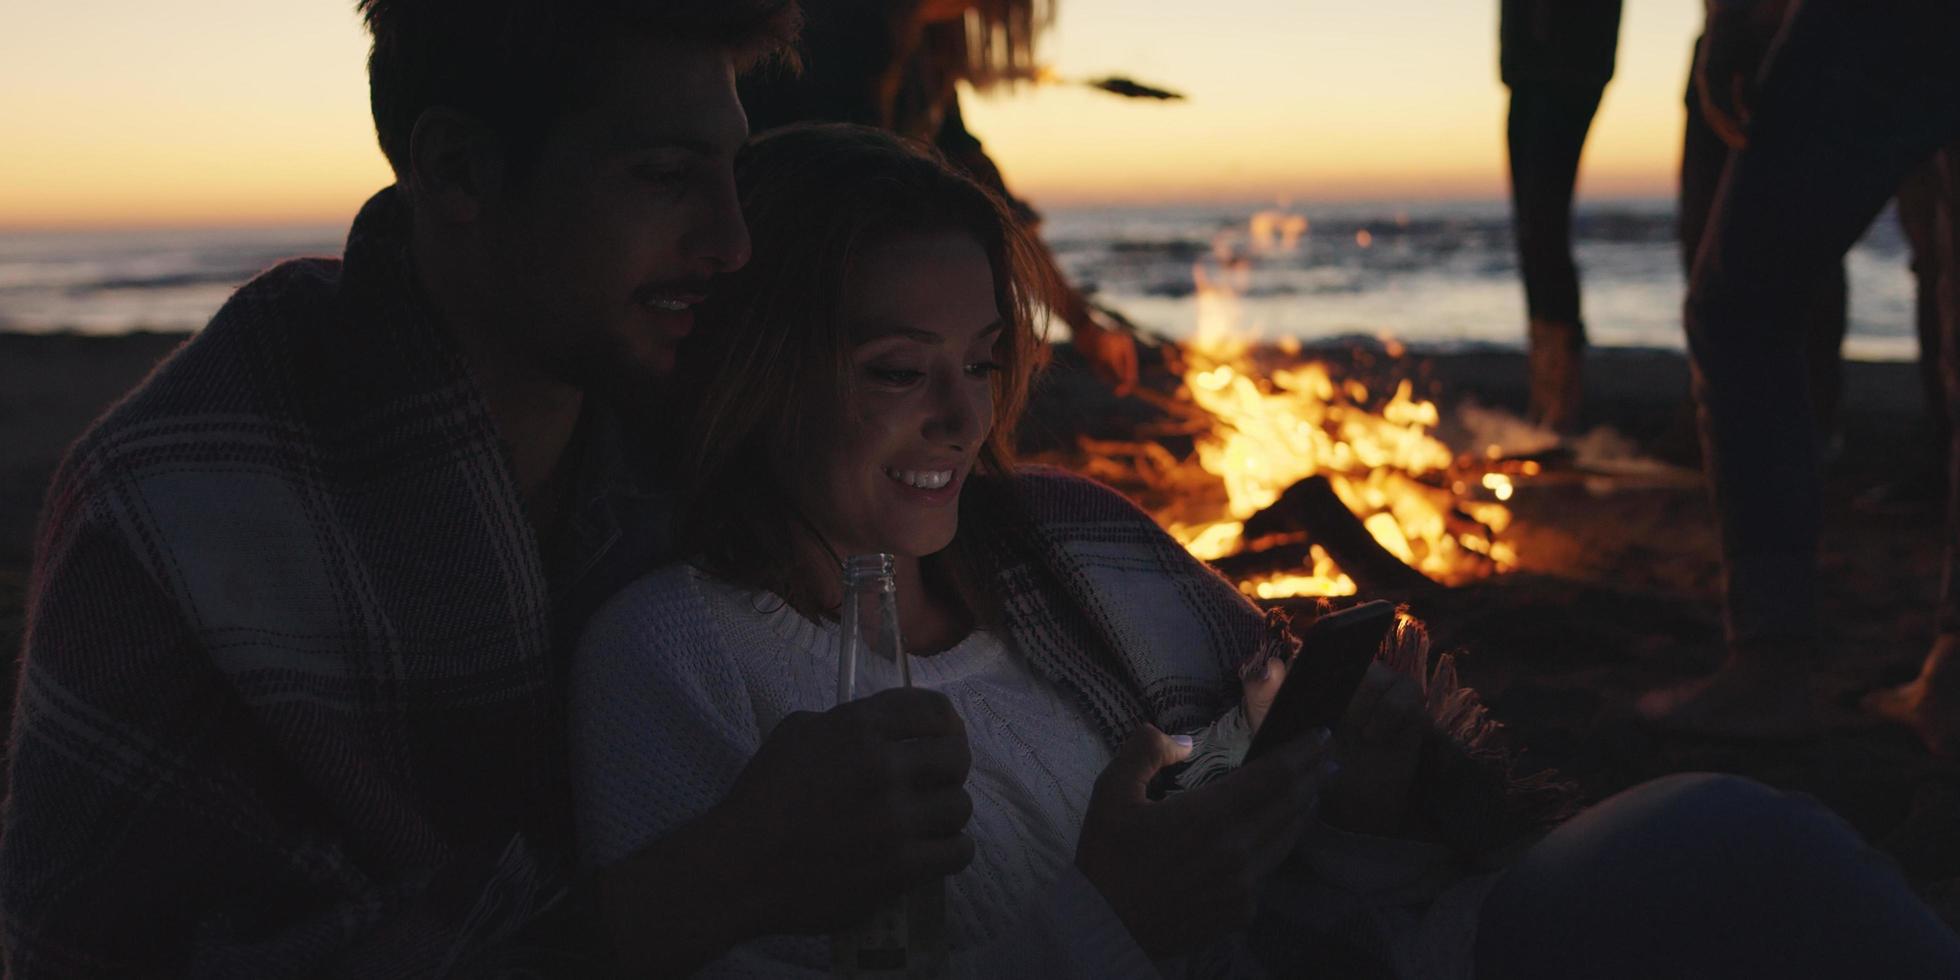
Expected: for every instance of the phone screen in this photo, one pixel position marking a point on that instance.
(1334, 656)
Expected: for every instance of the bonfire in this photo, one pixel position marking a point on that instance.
(1299, 481)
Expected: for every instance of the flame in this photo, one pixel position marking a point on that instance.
(1269, 430)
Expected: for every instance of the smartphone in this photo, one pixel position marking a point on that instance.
(1334, 656)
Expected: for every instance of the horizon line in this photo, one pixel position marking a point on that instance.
(1057, 202)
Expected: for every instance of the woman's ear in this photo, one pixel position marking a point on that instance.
(455, 165)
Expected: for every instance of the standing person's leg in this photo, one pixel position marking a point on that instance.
(1824, 321)
(1698, 875)
(1919, 203)
(1546, 133)
(1930, 704)
(1703, 157)
(1856, 95)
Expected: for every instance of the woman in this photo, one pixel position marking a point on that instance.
(853, 391)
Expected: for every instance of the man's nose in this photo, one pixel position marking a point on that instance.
(720, 237)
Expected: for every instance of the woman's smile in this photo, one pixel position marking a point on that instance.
(935, 488)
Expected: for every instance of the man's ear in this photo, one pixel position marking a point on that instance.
(454, 164)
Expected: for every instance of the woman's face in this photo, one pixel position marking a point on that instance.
(885, 474)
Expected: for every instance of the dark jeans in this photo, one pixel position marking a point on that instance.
(1546, 132)
(1858, 94)
(1919, 203)
(1946, 241)
(1823, 320)
(1699, 875)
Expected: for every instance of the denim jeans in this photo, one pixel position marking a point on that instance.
(1858, 93)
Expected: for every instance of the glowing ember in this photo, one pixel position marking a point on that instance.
(1269, 430)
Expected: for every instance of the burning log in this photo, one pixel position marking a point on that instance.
(1312, 507)
(1254, 562)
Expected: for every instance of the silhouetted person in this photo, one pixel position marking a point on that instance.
(1855, 96)
(1704, 154)
(896, 65)
(1556, 56)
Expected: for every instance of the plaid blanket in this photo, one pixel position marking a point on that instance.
(1105, 603)
(290, 701)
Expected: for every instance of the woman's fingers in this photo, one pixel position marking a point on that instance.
(1261, 688)
(1395, 713)
(1367, 697)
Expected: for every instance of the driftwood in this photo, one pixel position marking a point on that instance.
(1311, 506)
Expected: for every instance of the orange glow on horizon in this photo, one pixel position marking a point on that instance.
(131, 114)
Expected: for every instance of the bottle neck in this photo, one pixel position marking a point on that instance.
(870, 574)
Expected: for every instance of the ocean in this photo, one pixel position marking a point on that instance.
(1435, 276)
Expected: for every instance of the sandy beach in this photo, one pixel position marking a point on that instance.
(1616, 589)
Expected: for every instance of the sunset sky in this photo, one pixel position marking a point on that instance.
(125, 113)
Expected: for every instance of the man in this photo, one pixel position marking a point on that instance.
(291, 693)
(1855, 96)
(1556, 57)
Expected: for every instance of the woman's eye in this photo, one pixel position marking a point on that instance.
(982, 369)
(897, 377)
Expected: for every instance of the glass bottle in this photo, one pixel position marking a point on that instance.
(907, 936)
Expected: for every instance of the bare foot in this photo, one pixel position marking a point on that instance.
(1740, 700)
(1556, 362)
(1930, 705)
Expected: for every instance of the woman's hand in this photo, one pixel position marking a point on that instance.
(836, 813)
(1380, 740)
(1258, 689)
(846, 809)
(1186, 870)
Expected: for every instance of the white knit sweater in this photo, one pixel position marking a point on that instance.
(680, 677)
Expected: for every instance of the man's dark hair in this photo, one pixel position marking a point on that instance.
(516, 65)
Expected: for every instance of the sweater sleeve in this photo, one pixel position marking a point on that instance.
(661, 719)
(151, 830)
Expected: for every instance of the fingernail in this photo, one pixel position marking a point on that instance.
(1320, 736)
(1183, 741)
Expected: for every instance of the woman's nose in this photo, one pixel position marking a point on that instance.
(962, 411)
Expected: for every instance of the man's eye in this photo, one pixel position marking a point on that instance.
(660, 175)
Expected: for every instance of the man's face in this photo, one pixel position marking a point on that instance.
(595, 263)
